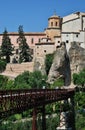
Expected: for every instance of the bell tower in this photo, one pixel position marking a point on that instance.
(54, 27)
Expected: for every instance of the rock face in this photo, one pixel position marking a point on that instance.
(60, 66)
(39, 65)
(64, 65)
(76, 57)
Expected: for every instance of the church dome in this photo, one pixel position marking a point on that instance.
(54, 17)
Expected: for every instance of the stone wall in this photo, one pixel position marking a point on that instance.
(12, 70)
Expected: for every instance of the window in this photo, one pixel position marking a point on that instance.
(32, 40)
(39, 40)
(16, 57)
(67, 41)
(45, 51)
(47, 40)
(51, 24)
(77, 35)
(17, 51)
(56, 23)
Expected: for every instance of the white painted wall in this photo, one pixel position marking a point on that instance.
(73, 27)
(83, 22)
(82, 39)
(57, 41)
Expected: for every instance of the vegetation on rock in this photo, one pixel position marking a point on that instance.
(48, 62)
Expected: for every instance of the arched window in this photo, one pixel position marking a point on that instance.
(39, 40)
(56, 23)
(51, 24)
(32, 40)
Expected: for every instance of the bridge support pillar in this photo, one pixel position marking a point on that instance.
(43, 118)
(34, 122)
(67, 118)
(73, 113)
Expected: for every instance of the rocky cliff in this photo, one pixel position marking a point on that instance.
(61, 66)
(64, 65)
(39, 65)
(76, 57)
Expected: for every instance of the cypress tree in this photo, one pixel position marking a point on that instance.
(24, 50)
(6, 47)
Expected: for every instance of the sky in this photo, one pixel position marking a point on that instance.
(33, 14)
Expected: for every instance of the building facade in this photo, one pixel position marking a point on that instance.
(73, 29)
(31, 38)
(46, 46)
(54, 27)
(67, 29)
(53, 30)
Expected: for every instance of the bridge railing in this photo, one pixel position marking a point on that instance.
(16, 101)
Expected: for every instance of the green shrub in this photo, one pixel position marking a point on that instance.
(48, 62)
(3, 81)
(58, 83)
(2, 65)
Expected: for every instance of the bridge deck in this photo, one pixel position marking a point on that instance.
(16, 101)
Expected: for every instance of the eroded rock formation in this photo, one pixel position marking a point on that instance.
(61, 66)
(76, 57)
(64, 65)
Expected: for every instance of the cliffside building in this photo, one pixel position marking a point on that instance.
(73, 29)
(68, 29)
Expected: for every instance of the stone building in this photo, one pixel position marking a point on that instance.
(52, 32)
(31, 38)
(46, 46)
(66, 30)
(73, 29)
(57, 41)
(54, 27)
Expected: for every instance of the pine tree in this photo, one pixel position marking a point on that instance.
(24, 50)
(6, 47)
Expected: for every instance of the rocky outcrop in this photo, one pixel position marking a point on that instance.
(64, 65)
(60, 66)
(76, 57)
(39, 65)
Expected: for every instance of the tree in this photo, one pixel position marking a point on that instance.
(48, 62)
(75, 78)
(58, 83)
(6, 47)
(2, 65)
(79, 79)
(24, 50)
(22, 80)
(37, 80)
(30, 80)
(3, 81)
